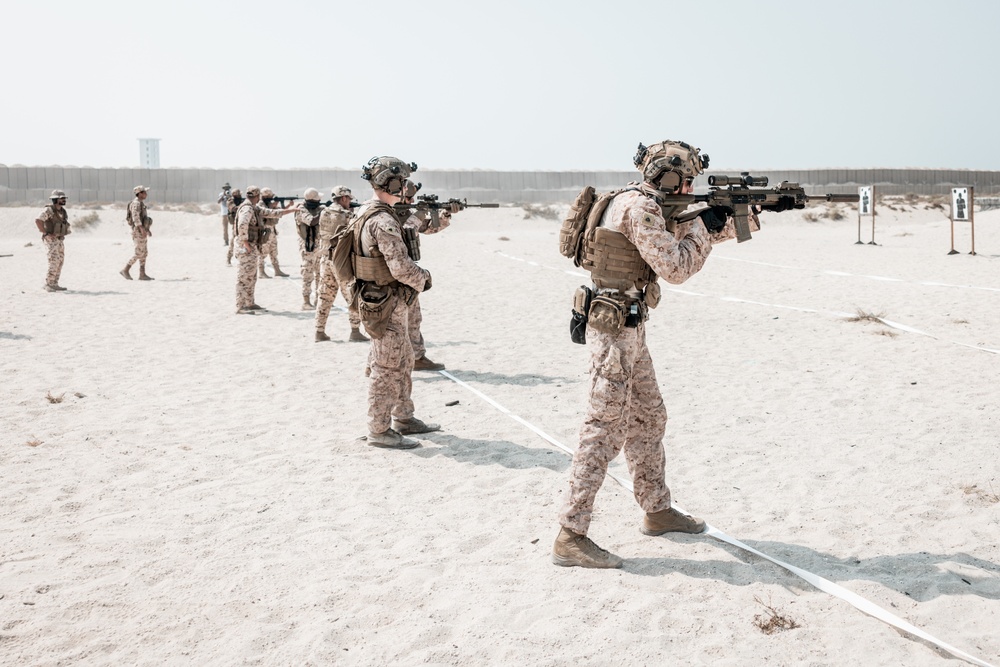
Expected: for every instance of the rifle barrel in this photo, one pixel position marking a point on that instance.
(839, 199)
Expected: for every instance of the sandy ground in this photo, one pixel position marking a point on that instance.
(198, 495)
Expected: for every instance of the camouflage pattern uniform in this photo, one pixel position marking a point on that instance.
(390, 358)
(55, 250)
(269, 249)
(246, 276)
(415, 319)
(305, 220)
(137, 221)
(626, 409)
(332, 220)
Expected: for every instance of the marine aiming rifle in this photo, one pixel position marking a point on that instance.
(282, 200)
(741, 192)
(435, 206)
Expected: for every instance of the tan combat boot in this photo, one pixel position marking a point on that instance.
(670, 521)
(425, 364)
(125, 273)
(306, 305)
(572, 550)
(278, 273)
(261, 273)
(142, 274)
(321, 337)
(357, 336)
(390, 439)
(413, 425)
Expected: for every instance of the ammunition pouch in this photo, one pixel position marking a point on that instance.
(578, 319)
(651, 295)
(376, 304)
(412, 240)
(254, 234)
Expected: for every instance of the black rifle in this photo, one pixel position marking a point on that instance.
(282, 200)
(435, 206)
(741, 192)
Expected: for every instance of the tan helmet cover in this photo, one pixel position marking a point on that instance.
(311, 194)
(388, 173)
(266, 192)
(665, 165)
(252, 191)
(57, 194)
(341, 191)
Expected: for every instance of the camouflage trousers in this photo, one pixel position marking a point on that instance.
(328, 289)
(625, 411)
(413, 327)
(246, 277)
(225, 229)
(56, 254)
(309, 270)
(141, 242)
(390, 359)
(270, 251)
(232, 246)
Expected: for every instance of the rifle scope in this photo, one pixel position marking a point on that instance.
(743, 179)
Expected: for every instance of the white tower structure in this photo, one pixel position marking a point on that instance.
(149, 153)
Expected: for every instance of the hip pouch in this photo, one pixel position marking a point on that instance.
(375, 306)
(578, 321)
(606, 315)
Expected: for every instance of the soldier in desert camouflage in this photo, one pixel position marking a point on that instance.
(307, 222)
(250, 230)
(336, 216)
(139, 222)
(269, 249)
(388, 279)
(421, 222)
(53, 223)
(637, 242)
(232, 203)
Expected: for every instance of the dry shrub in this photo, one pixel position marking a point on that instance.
(33, 442)
(772, 620)
(54, 399)
(979, 494)
(835, 213)
(863, 316)
(87, 221)
(810, 216)
(536, 211)
(887, 332)
(504, 238)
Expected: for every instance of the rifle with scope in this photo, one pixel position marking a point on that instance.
(739, 193)
(434, 205)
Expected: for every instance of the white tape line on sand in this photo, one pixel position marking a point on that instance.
(838, 315)
(815, 580)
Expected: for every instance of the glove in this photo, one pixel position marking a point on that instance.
(427, 285)
(715, 217)
(784, 203)
(455, 207)
(421, 211)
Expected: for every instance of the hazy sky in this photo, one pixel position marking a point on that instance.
(542, 84)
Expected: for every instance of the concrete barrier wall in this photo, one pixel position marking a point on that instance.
(32, 185)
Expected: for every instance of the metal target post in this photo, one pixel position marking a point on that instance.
(865, 199)
(962, 200)
(872, 242)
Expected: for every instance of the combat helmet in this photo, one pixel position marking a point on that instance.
(388, 173)
(667, 164)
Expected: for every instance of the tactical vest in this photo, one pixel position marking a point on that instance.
(309, 231)
(57, 223)
(373, 269)
(142, 215)
(332, 221)
(254, 228)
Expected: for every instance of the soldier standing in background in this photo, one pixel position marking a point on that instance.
(140, 224)
(223, 201)
(269, 249)
(334, 218)
(53, 223)
(388, 278)
(249, 235)
(234, 202)
(636, 242)
(420, 222)
(307, 222)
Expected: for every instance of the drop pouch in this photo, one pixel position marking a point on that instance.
(606, 315)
